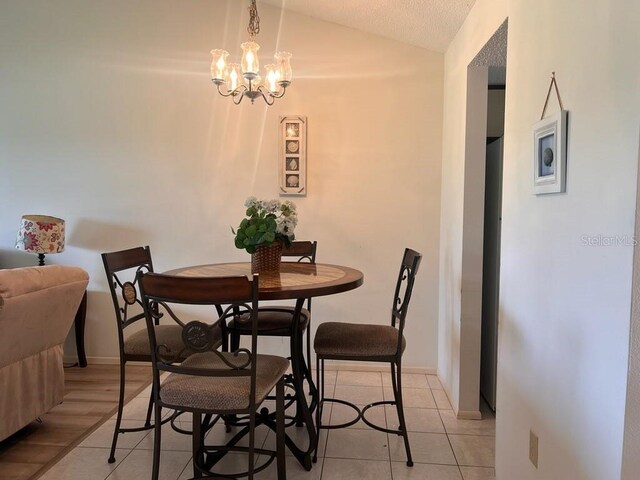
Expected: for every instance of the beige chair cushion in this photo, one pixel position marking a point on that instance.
(137, 344)
(272, 322)
(351, 340)
(221, 394)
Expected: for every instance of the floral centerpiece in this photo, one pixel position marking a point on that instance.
(268, 225)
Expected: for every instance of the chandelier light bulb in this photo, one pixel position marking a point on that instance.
(234, 76)
(283, 62)
(250, 63)
(271, 77)
(219, 65)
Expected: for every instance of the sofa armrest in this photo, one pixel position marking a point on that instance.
(37, 308)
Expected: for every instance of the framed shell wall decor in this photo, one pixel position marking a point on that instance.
(293, 155)
(550, 154)
(550, 148)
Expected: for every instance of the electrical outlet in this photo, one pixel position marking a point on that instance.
(533, 448)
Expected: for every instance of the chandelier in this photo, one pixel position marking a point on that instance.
(239, 80)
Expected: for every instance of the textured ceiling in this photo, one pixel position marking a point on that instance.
(494, 52)
(430, 24)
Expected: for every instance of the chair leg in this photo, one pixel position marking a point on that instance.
(320, 390)
(235, 341)
(147, 422)
(197, 442)
(397, 393)
(252, 442)
(232, 341)
(157, 438)
(280, 445)
(225, 336)
(116, 431)
(309, 347)
(296, 353)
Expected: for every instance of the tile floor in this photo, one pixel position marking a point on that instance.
(443, 447)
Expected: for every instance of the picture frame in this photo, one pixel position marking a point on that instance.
(550, 154)
(293, 155)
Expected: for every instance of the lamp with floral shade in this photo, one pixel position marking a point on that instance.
(41, 234)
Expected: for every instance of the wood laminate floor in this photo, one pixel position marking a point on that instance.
(91, 397)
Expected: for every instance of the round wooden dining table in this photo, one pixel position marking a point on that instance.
(295, 281)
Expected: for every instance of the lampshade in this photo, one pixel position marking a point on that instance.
(250, 62)
(41, 234)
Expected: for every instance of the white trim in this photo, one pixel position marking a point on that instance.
(468, 415)
(375, 367)
(354, 367)
(460, 414)
(102, 361)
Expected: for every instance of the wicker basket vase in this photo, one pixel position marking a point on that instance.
(266, 258)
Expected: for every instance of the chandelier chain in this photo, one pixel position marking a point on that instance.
(254, 21)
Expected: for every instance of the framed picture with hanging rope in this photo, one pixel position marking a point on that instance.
(550, 149)
(293, 155)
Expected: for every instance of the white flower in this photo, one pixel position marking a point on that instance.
(288, 205)
(250, 202)
(272, 206)
(284, 226)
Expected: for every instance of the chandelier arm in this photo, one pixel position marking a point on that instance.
(271, 94)
(227, 94)
(265, 97)
(279, 94)
(232, 93)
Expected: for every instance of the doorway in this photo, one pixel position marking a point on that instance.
(486, 73)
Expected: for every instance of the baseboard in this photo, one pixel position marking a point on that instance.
(102, 361)
(460, 414)
(354, 366)
(468, 414)
(375, 367)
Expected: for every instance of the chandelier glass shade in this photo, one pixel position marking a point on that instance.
(239, 80)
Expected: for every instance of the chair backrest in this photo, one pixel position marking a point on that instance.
(166, 294)
(304, 250)
(122, 268)
(404, 287)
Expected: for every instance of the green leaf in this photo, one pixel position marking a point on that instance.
(270, 236)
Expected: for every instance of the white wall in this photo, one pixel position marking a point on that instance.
(564, 306)
(631, 452)
(110, 121)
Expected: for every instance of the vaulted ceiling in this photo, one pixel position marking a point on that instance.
(430, 24)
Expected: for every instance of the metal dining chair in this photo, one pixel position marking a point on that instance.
(278, 320)
(370, 343)
(121, 268)
(209, 382)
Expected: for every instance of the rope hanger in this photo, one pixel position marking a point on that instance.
(546, 102)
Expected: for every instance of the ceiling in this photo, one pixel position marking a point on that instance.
(430, 24)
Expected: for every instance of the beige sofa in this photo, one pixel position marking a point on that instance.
(37, 308)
